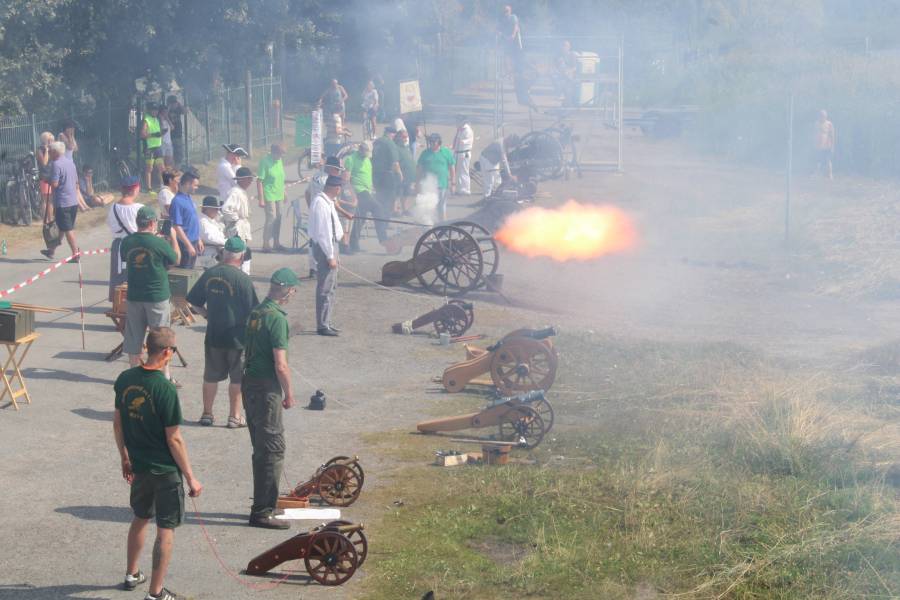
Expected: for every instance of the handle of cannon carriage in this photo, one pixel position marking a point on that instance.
(541, 334)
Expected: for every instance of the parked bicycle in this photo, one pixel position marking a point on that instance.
(23, 201)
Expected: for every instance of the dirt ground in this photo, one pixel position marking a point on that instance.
(711, 265)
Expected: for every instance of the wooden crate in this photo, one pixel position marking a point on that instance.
(120, 299)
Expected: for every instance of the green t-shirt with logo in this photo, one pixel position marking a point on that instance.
(360, 168)
(228, 295)
(267, 330)
(147, 258)
(147, 403)
(271, 173)
(438, 163)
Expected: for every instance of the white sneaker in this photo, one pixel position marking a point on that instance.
(132, 581)
(164, 594)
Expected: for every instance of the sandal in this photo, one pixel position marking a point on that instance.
(236, 422)
(207, 419)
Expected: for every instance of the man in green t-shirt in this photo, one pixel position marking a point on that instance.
(386, 172)
(438, 162)
(266, 388)
(154, 458)
(224, 295)
(147, 257)
(270, 190)
(360, 167)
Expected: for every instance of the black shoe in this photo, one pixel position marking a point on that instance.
(48, 253)
(327, 332)
(354, 249)
(348, 251)
(312, 273)
(269, 522)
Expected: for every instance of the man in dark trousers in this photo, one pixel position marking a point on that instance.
(386, 173)
(324, 232)
(224, 294)
(266, 388)
(154, 459)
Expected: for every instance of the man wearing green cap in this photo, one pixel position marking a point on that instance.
(225, 296)
(147, 257)
(266, 388)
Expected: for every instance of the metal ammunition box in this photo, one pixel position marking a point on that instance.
(15, 324)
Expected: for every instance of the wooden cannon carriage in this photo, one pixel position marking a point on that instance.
(338, 482)
(454, 318)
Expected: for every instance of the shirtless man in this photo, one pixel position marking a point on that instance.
(824, 144)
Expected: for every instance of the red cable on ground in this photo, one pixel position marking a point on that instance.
(259, 587)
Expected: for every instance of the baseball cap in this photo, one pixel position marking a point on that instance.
(285, 277)
(145, 215)
(211, 202)
(129, 182)
(235, 149)
(235, 244)
(243, 172)
(334, 181)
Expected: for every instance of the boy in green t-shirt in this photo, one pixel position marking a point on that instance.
(270, 184)
(438, 162)
(154, 458)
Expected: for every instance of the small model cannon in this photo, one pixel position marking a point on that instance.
(522, 361)
(331, 552)
(448, 260)
(338, 482)
(522, 419)
(454, 318)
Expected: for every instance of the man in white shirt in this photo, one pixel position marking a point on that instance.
(227, 169)
(212, 232)
(324, 232)
(236, 210)
(462, 152)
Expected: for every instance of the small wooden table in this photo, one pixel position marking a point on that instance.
(17, 350)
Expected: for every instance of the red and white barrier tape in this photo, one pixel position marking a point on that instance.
(49, 270)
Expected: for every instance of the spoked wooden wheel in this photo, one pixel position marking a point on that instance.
(339, 485)
(448, 261)
(468, 307)
(455, 322)
(331, 559)
(357, 538)
(522, 365)
(522, 423)
(490, 251)
(354, 465)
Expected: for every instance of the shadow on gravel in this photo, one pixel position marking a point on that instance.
(123, 514)
(21, 261)
(28, 592)
(94, 414)
(80, 355)
(39, 373)
(76, 325)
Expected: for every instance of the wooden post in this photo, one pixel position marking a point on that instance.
(248, 113)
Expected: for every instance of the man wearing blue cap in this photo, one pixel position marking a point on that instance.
(225, 296)
(266, 388)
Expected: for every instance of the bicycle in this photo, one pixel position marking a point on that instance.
(120, 163)
(23, 199)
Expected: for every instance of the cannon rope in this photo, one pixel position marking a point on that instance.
(390, 289)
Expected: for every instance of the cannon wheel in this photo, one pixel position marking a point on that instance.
(523, 364)
(544, 155)
(466, 306)
(522, 422)
(455, 323)
(357, 538)
(490, 252)
(331, 559)
(461, 265)
(339, 485)
(354, 465)
(544, 411)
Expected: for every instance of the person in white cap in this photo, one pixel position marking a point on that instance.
(227, 169)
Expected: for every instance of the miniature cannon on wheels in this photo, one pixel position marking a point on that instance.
(331, 552)
(338, 482)
(522, 361)
(522, 419)
(454, 318)
(448, 260)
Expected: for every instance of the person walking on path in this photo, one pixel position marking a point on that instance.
(824, 145)
(370, 106)
(360, 167)
(122, 222)
(324, 232)
(270, 191)
(334, 100)
(462, 152)
(227, 169)
(236, 210)
(437, 161)
(386, 173)
(266, 389)
(152, 132)
(224, 295)
(185, 222)
(147, 258)
(64, 187)
(154, 457)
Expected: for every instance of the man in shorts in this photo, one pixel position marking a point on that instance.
(64, 185)
(154, 458)
(147, 257)
(224, 294)
(152, 132)
(824, 145)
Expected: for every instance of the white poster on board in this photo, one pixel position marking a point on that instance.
(410, 96)
(315, 138)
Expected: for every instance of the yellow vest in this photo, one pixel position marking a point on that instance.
(152, 127)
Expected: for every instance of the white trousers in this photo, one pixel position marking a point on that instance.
(463, 181)
(491, 174)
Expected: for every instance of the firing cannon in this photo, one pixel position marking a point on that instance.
(331, 552)
(448, 260)
(338, 482)
(454, 318)
(523, 419)
(522, 361)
